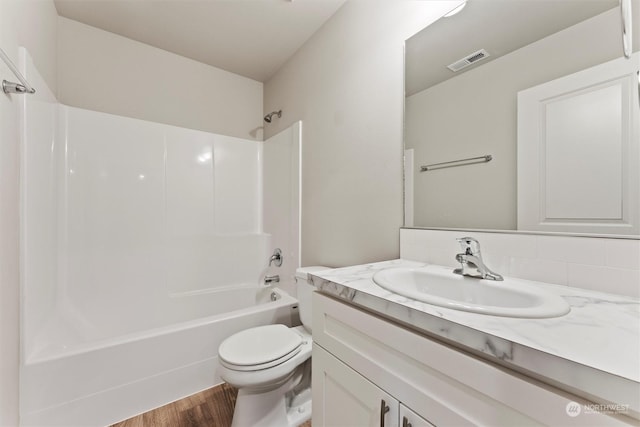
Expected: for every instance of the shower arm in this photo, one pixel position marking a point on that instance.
(268, 117)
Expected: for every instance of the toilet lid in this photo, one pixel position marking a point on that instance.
(260, 345)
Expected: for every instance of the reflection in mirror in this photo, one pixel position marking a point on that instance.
(501, 49)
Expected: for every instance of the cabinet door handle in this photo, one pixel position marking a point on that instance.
(384, 408)
(405, 422)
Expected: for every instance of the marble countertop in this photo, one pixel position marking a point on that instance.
(593, 351)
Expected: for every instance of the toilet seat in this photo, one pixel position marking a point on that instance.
(259, 348)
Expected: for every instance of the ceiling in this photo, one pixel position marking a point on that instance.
(498, 26)
(252, 38)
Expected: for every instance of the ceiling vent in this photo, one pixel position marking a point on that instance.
(468, 60)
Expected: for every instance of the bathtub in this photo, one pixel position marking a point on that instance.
(95, 370)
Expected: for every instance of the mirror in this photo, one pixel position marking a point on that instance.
(500, 48)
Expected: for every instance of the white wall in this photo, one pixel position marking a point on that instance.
(346, 85)
(490, 125)
(32, 24)
(102, 71)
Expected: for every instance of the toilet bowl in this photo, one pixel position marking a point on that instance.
(271, 368)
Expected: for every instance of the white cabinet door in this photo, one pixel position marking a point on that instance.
(578, 152)
(344, 398)
(408, 418)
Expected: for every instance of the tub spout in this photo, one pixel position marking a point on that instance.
(268, 280)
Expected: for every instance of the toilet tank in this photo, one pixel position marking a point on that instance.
(304, 289)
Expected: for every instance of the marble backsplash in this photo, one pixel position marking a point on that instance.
(604, 264)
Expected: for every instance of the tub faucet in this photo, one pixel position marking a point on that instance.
(276, 258)
(268, 280)
(471, 263)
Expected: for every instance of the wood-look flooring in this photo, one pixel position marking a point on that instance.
(209, 408)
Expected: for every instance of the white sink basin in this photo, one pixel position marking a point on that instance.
(440, 286)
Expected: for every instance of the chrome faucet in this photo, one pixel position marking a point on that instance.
(268, 280)
(471, 263)
(276, 258)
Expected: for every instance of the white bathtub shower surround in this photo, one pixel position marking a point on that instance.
(39, 187)
(142, 247)
(593, 351)
(281, 207)
(144, 211)
(106, 381)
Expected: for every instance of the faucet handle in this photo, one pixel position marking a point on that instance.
(469, 245)
(276, 258)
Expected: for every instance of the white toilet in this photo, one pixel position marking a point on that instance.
(271, 367)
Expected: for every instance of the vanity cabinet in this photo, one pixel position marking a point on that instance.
(349, 399)
(408, 418)
(361, 360)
